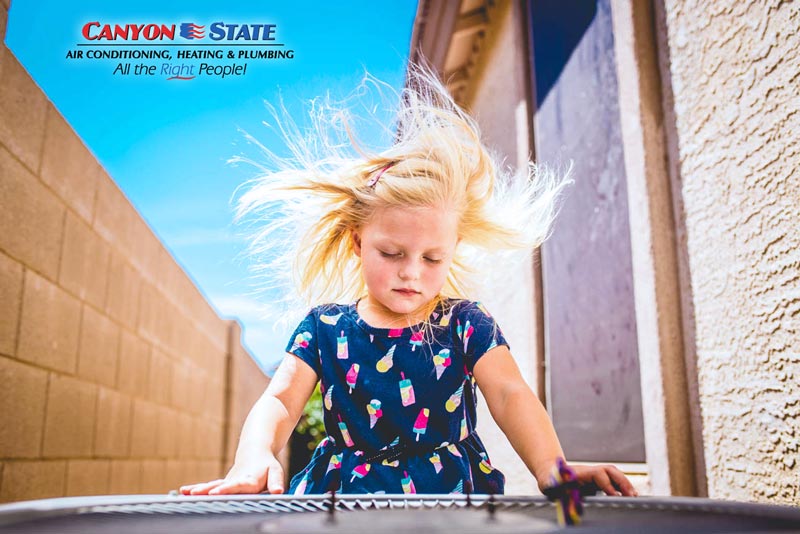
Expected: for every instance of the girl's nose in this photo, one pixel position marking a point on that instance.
(409, 270)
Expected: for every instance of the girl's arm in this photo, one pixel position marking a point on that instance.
(265, 432)
(523, 419)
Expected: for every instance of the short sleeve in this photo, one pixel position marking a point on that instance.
(478, 331)
(304, 342)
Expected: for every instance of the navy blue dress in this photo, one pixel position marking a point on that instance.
(399, 403)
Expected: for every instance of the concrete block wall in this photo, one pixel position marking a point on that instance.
(115, 373)
(246, 384)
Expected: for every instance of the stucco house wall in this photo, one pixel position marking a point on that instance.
(710, 107)
(733, 69)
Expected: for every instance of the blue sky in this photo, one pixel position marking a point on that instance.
(166, 143)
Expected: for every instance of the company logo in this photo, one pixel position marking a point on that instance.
(181, 50)
(218, 31)
(190, 30)
(128, 32)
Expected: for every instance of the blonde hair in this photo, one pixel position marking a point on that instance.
(304, 207)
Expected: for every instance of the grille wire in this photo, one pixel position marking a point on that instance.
(271, 504)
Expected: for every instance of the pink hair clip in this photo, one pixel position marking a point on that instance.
(374, 180)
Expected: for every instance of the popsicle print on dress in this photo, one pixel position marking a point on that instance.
(394, 463)
(455, 399)
(485, 466)
(345, 433)
(406, 391)
(407, 483)
(416, 340)
(395, 332)
(441, 361)
(374, 411)
(301, 487)
(394, 442)
(330, 319)
(329, 398)
(352, 376)
(446, 318)
(341, 347)
(360, 471)
(386, 363)
(334, 463)
(421, 424)
(454, 450)
(464, 332)
(436, 460)
(463, 434)
(301, 341)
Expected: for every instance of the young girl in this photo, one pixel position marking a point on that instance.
(399, 359)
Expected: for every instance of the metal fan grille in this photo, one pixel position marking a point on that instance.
(389, 514)
(310, 504)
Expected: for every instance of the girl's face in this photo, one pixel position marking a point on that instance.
(405, 255)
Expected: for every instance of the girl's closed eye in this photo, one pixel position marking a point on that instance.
(433, 260)
(390, 254)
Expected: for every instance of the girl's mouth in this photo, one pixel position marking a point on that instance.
(407, 292)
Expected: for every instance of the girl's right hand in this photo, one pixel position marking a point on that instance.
(244, 477)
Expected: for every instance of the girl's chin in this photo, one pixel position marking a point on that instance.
(403, 307)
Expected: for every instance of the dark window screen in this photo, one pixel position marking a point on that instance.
(590, 324)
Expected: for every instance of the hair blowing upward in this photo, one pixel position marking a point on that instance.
(374, 241)
(305, 207)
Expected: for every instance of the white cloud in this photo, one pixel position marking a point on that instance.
(201, 236)
(266, 345)
(265, 342)
(240, 306)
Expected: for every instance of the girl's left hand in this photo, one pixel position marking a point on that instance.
(607, 478)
